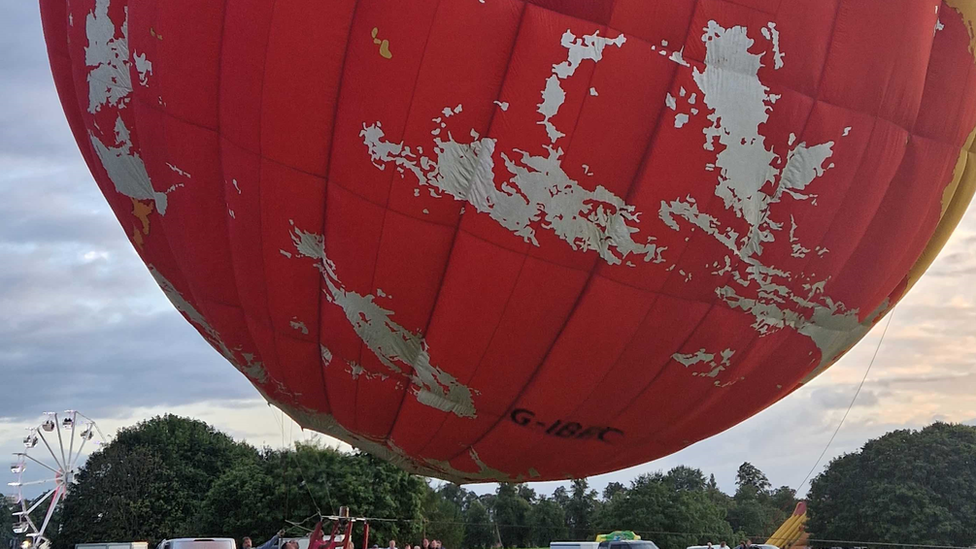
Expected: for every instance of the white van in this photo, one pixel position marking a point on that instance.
(198, 543)
(113, 545)
(606, 544)
(574, 545)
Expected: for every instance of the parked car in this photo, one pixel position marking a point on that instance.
(198, 543)
(607, 544)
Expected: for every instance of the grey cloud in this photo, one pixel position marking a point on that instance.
(55, 204)
(840, 397)
(923, 379)
(956, 273)
(31, 121)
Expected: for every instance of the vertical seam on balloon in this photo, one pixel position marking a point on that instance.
(386, 211)
(891, 283)
(328, 167)
(850, 188)
(962, 99)
(960, 192)
(221, 185)
(261, 160)
(965, 150)
(884, 96)
(830, 48)
(928, 67)
(457, 229)
(895, 279)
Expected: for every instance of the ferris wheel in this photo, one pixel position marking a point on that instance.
(53, 449)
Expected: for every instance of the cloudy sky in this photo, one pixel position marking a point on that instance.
(82, 325)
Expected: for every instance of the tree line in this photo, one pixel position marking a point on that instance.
(174, 477)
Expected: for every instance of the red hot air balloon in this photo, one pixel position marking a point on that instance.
(503, 240)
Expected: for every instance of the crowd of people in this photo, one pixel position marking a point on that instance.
(746, 544)
(246, 543)
(316, 542)
(425, 544)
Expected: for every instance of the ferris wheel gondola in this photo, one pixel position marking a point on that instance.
(54, 447)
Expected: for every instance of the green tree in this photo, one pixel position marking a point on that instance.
(547, 521)
(148, 483)
(478, 530)
(174, 477)
(580, 510)
(455, 494)
(526, 493)
(750, 518)
(561, 496)
(237, 504)
(686, 479)
(653, 504)
(6, 524)
(613, 489)
(512, 516)
(907, 486)
(750, 479)
(718, 497)
(783, 499)
(323, 478)
(753, 512)
(444, 515)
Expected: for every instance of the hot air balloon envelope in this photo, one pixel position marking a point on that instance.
(506, 240)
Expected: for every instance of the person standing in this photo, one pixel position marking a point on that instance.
(273, 542)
